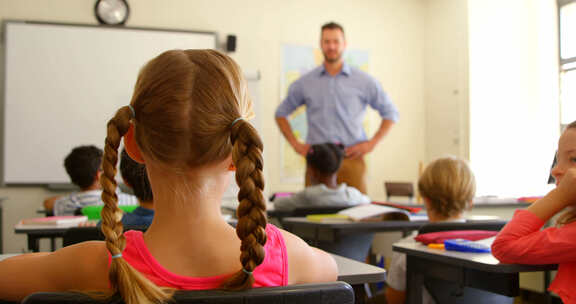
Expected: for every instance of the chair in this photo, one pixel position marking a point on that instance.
(452, 293)
(80, 234)
(321, 293)
(399, 189)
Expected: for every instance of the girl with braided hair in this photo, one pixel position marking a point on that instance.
(187, 121)
(447, 187)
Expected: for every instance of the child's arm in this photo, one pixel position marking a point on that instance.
(521, 240)
(557, 199)
(78, 267)
(308, 264)
(396, 279)
(49, 203)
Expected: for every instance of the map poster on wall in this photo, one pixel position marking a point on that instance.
(296, 61)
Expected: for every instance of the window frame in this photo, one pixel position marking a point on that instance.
(562, 62)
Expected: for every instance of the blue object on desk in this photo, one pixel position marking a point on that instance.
(465, 246)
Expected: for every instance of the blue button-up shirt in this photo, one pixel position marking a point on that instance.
(336, 105)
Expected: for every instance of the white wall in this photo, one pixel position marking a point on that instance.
(392, 31)
(446, 78)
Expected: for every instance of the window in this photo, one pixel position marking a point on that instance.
(567, 13)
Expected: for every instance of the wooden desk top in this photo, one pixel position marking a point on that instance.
(354, 272)
(478, 261)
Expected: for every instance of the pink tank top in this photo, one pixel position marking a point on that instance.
(272, 272)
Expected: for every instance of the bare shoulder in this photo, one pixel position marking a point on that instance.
(82, 266)
(307, 264)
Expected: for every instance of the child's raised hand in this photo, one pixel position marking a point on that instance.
(567, 187)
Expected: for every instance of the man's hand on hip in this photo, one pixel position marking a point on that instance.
(301, 148)
(358, 150)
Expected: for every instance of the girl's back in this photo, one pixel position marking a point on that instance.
(186, 123)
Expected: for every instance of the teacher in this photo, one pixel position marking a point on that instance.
(336, 96)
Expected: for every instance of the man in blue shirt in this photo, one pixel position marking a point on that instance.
(336, 96)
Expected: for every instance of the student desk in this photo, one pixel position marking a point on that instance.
(35, 233)
(332, 231)
(349, 239)
(476, 270)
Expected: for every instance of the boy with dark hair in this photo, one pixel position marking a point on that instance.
(323, 162)
(83, 165)
(135, 176)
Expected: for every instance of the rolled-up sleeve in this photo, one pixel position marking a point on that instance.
(293, 100)
(522, 242)
(379, 101)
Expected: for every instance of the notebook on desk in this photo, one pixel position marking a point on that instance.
(364, 213)
(54, 221)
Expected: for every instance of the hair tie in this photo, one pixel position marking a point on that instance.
(236, 120)
(116, 256)
(247, 272)
(132, 110)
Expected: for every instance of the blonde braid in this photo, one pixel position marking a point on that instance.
(251, 227)
(125, 280)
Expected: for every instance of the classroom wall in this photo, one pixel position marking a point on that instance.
(391, 30)
(446, 78)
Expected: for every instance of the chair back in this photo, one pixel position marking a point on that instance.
(320, 293)
(76, 235)
(399, 189)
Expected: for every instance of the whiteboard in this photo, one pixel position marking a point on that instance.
(64, 82)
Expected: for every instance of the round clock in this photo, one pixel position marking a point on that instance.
(112, 12)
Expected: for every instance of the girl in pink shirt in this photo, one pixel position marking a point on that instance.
(523, 242)
(188, 122)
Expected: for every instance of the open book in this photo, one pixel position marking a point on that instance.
(364, 212)
(54, 221)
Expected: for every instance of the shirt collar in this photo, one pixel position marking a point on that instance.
(345, 69)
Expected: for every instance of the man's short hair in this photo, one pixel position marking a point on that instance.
(325, 158)
(135, 175)
(82, 165)
(332, 26)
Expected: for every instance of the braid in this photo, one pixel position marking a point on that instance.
(125, 280)
(247, 156)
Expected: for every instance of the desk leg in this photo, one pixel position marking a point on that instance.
(359, 294)
(52, 243)
(406, 233)
(33, 243)
(414, 283)
(547, 295)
